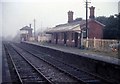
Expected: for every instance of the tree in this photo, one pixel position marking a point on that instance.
(110, 31)
(118, 16)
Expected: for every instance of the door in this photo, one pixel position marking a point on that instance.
(76, 39)
(65, 38)
(56, 42)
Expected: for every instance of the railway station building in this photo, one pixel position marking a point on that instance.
(71, 32)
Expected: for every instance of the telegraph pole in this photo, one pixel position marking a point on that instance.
(82, 46)
(87, 18)
(34, 29)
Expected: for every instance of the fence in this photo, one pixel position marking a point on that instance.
(99, 44)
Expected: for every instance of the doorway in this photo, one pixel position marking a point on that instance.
(76, 39)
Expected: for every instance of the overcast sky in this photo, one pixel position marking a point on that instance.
(16, 14)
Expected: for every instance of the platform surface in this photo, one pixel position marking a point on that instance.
(83, 53)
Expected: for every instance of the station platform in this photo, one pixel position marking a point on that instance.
(84, 53)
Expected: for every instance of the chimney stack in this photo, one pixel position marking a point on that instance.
(70, 16)
(92, 16)
(30, 25)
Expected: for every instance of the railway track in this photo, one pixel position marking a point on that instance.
(22, 71)
(85, 77)
(50, 72)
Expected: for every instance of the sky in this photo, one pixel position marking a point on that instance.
(16, 14)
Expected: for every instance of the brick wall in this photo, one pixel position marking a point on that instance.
(95, 30)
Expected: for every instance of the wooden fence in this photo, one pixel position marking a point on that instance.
(99, 44)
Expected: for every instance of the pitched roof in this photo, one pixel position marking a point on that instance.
(26, 28)
(99, 23)
(63, 28)
(74, 26)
